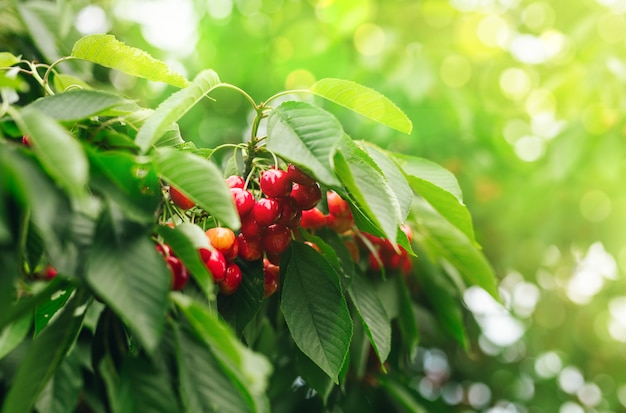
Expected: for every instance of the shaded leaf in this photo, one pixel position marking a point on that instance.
(78, 104)
(174, 107)
(402, 394)
(46, 311)
(63, 82)
(239, 309)
(107, 51)
(62, 392)
(307, 136)
(364, 101)
(315, 309)
(13, 334)
(407, 318)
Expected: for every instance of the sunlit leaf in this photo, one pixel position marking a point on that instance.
(315, 309)
(174, 107)
(306, 136)
(14, 333)
(8, 59)
(107, 51)
(364, 101)
(63, 82)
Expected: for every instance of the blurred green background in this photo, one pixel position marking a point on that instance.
(522, 100)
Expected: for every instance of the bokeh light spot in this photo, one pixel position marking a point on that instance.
(611, 28)
(571, 379)
(548, 365)
(515, 83)
(598, 118)
(571, 407)
(515, 129)
(455, 71)
(595, 206)
(540, 101)
(529, 148)
(299, 79)
(478, 395)
(369, 39)
(92, 20)
(493, 31)
(437, 14)
(538, 15)
(219, 9)
(590, 394)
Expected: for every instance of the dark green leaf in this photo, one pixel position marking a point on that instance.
(44, 356)
(401, 394)
(128, 274)
(174, 107)
(306, 136)
(107, 51)
(47, 310)
(239, 309)
(58, 151)
(314, 377)
(373, 316)
(364, 101)
(62, 392)
(201, 181)
(444, 239)
(182, 243)
(407, 318)
(315, 309)
(79, 104)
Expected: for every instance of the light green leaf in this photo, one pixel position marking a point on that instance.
(184, 246)
(306, 136)
(128, 274)
(79, 104)
(315, 309)
(174, 107)
(39, 18)
(440, 188)
(368, 187)
(8, 59)
(13, 334)
(64, 83)
(107, 51)
(444, 239)
(201, 181)
(373, 316)
(44, 356)
(59, 152)
(364, 101)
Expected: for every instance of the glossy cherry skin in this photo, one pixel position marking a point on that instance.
(275, 183)
(179, 272)
(270, 278)
(249, 226)
(221, 238)
(340, 224)
(232, 280)
(298, 176)
(215, 262)
(250, 248)
(276, 238)
(288, 210)
(244, 201)
(336, 205)
(235, 181)
(180, 200)
(306, 196)
(266, 211)
(313, 219)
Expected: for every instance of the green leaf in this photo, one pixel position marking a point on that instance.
(62, 392)
(239, 309)
(38, 18)
(127, 273)
(440, 188)
(186, 250)
(63, 83)
(46, 311)
(79, 104)
(107, 51)
(239, 363)
(394, 175)
(407, 319)
(174, 107)
(368, 187)
(402, 394)
(8, 59)
(373, 316)
(364, 101)
(442, 238)
(201, 181)
(307, 136)
(58, 151)
(13, 334)
(44, 356)
(204, 386)
(315, 309)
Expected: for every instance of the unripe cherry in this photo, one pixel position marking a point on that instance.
(220, 238)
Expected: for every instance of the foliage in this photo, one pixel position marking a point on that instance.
(107, 207)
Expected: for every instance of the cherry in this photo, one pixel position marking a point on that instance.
(276, 238)
(26, 141)
(163, 249)
(407, 230)
(180, 200)
(306, 196)
(50, 272)
(336, 205)
(298, 176)
(232, 252)
(231, 281)
(270, 277)
(249, 226)
(340, 224)
(275, 183)
(266, 211)
(244, 200)
(295, 221)
(250, 248)
(220, 238)
(235, 181)
(215, 263)
(273, 258)
(180, 275)
(353, 249)
(313, 219)
(288, 210)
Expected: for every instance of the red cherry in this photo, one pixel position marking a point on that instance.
(233, 252)
(353, 249)
(288, 210)
(180, 275)
(26, 141)
(276, 238)
(407, 230)
(231, 281)
(50, 272)
(266, 211)
(340, 224)
(336, 205)
(273, 258)
(270, 278)
(249, 226)
(306, 196)
(220, 238)
(163, 249)
(373, 262)
(235, 181)
(295, 221)
(298, 176)
(244, 200)
(313, 219)
(275, 183)
(180, 200)
(216, 264)
(250, 248)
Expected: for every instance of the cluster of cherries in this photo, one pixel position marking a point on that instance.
(288, 200)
